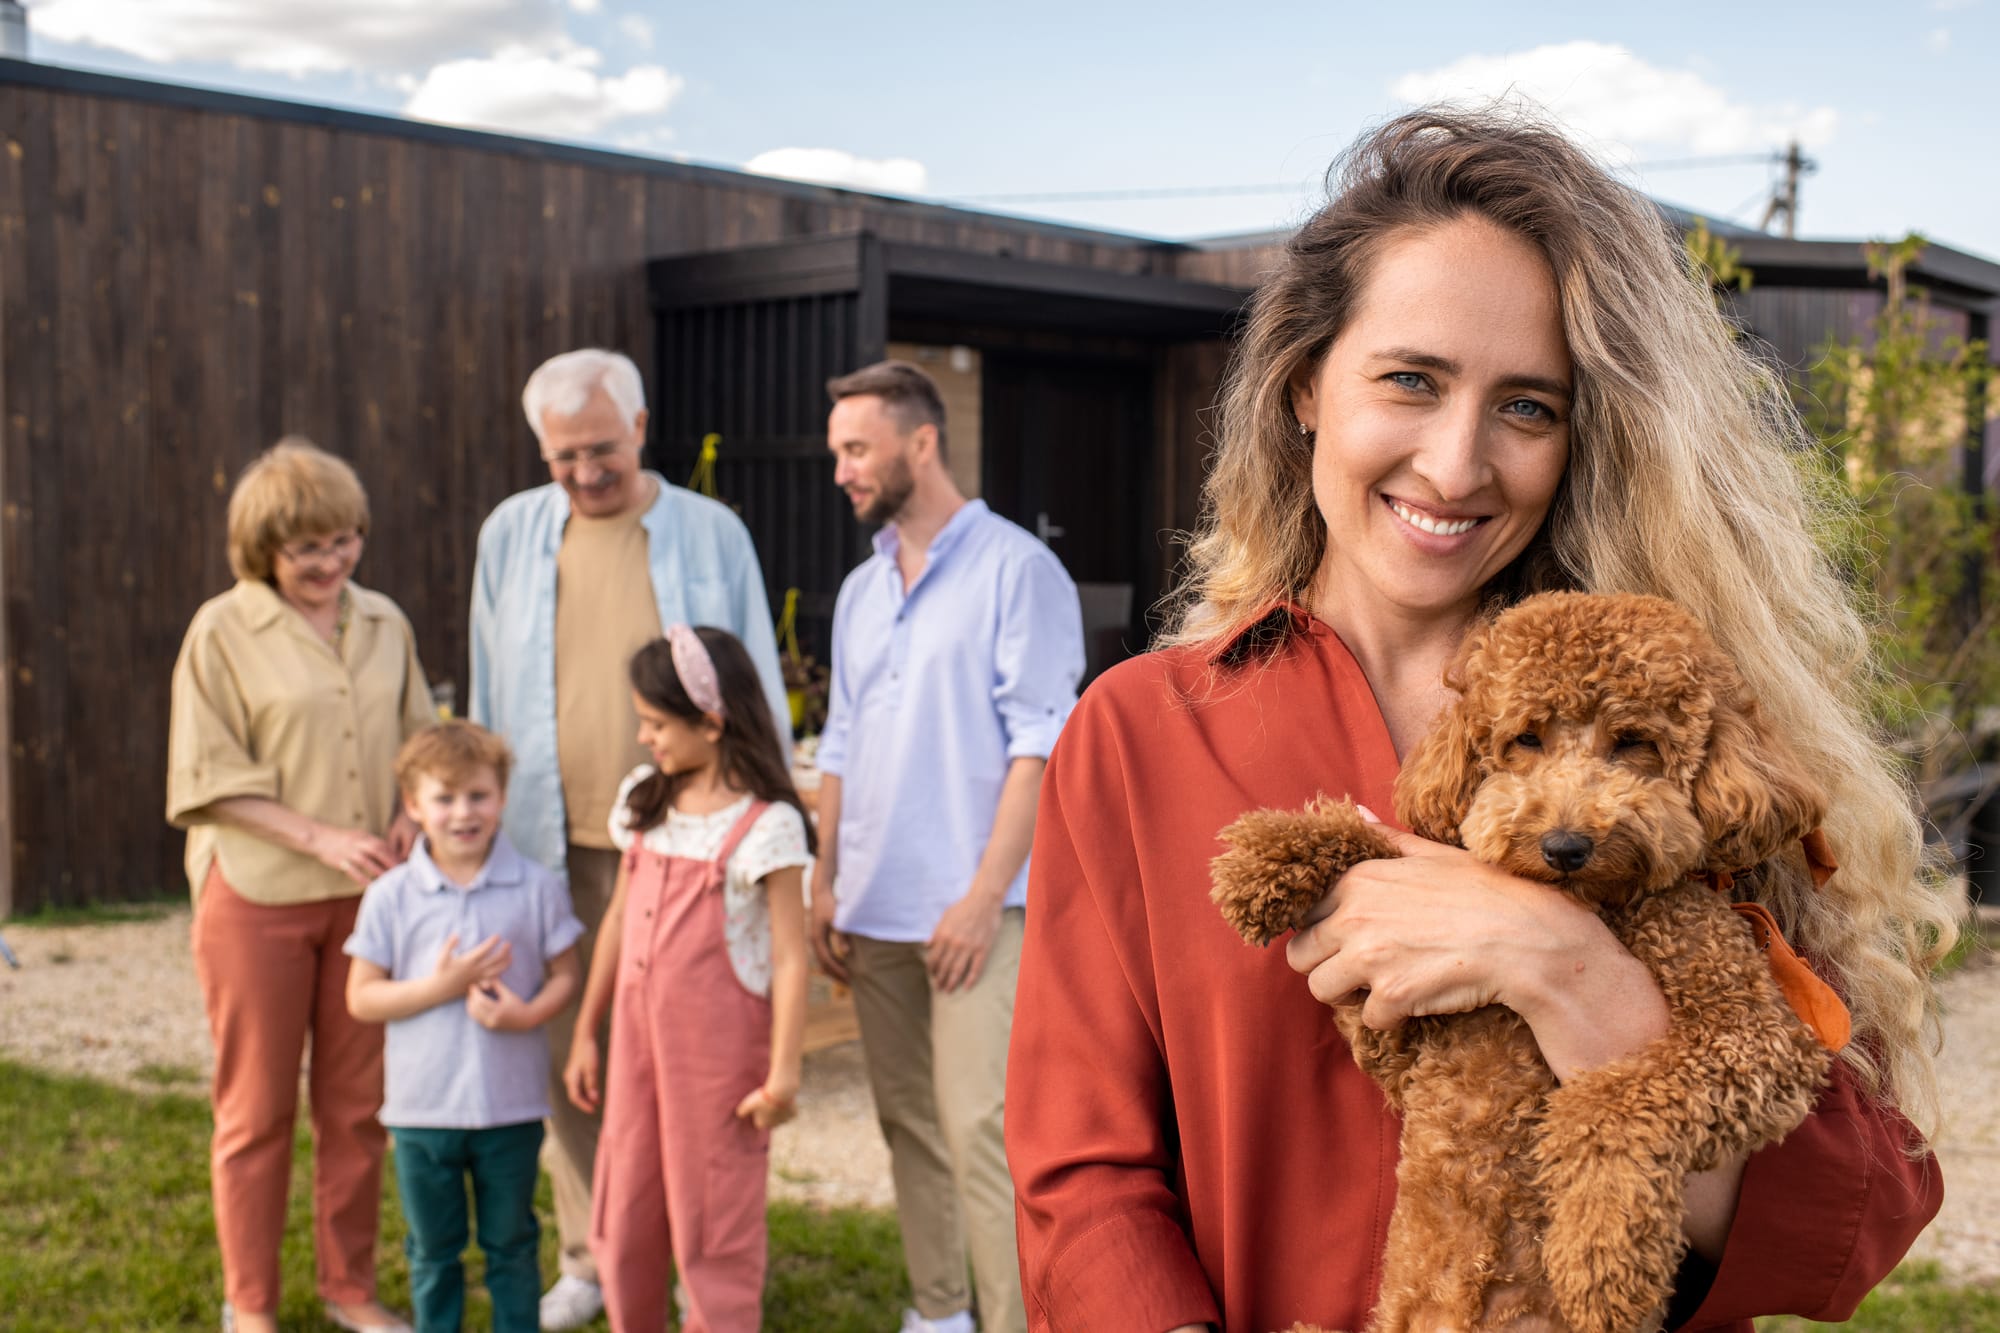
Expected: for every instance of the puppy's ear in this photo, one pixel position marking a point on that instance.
(1753, 796)
(1435, 788)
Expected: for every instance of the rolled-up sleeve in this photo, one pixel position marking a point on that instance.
(209, 756)
(1103, 1239)
(1825, 1215)
(559, 924)
(1038, 655)
(374, 937)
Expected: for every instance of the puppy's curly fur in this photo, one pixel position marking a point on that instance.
(1606, 746)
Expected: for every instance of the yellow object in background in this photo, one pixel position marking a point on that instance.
(702, 479)
(788, 644)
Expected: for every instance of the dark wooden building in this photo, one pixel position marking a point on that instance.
(187, 275)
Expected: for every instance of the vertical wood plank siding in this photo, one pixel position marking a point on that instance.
(182, 283)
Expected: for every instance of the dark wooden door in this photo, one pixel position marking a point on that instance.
(754, 373)
(1064, 453)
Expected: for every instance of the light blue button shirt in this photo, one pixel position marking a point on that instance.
(934, 694)
(440, 1069)
(704, 571)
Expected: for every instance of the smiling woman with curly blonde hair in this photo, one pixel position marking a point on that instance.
(1482, 370)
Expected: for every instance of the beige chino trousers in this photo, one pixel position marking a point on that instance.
(569, 1153)
(937, 1063)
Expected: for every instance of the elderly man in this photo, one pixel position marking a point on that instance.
(957, 649)
(573, 577)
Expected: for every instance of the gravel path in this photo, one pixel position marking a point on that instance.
(118, 1002)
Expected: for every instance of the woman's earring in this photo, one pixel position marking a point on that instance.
(1304, 429)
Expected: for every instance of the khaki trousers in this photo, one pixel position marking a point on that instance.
(937, 1063)
(569, 1153)
(271, 979)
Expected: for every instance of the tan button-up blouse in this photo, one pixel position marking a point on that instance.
(262, 706)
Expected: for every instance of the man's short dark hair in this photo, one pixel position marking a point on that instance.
(910, 395)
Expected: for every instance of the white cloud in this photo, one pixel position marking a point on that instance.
(1952, 6)
(1938, 40)
(638, 28)
(586, 6)
(562, 95)
(382, 37)
(1611, 95)
(832, 166)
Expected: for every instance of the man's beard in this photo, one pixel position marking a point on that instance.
(891, 494)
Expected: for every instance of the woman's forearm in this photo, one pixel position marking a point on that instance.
(1599, 1006)
(273, 821)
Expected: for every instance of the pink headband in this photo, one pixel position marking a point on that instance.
(696, 669)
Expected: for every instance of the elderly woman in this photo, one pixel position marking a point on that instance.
(293, 691)
(1482, 370)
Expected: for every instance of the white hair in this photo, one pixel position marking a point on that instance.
(563, 384)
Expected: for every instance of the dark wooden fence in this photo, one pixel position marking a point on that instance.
(186, 276)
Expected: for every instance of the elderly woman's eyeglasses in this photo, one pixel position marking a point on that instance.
(589, 453)
(329, 548)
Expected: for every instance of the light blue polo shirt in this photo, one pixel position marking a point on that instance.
(441, 1069)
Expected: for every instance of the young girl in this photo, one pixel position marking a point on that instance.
(704, 947)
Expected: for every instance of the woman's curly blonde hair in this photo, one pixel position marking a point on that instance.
(1684, 481)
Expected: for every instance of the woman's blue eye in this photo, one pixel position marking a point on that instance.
(1528, 407)
(1407, 379)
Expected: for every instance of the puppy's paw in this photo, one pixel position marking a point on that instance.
(1281, 862)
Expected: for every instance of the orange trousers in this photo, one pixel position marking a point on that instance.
(271, 976)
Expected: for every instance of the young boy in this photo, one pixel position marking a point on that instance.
(465, 950)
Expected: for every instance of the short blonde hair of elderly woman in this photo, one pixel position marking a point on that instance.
(292, 490)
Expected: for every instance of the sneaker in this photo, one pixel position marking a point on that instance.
(571, 1303)
(954, 1323)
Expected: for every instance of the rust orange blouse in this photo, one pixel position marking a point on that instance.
(1190, 1139)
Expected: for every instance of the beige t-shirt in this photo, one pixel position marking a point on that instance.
(262, 706)
(605, 612)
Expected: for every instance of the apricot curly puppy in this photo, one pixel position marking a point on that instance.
(1606, 746)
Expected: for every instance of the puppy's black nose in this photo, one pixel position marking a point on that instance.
(1566, 851)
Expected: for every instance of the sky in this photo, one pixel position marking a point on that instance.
(1215, 118)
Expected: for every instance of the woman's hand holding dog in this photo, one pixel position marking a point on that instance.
(1436, 931)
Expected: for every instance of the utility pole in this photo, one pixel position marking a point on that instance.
(1785, 194)
(13, 30)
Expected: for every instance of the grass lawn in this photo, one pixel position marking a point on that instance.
(105, 1224)
(1915, 1299)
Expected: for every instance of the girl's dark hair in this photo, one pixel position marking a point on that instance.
(750, 754)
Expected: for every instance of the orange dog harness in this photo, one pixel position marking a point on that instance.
(1816, 1003)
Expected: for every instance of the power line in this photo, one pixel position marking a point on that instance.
(1165, 192)
(1290, 187)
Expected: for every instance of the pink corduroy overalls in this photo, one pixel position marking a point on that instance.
(676, 1170)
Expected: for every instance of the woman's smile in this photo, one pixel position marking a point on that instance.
(1431, 524)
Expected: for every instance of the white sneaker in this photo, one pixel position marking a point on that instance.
(571, 1303)
(955, 1323)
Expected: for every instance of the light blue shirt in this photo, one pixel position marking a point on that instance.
(934, 694)
(704, 572)
(440, 1069)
